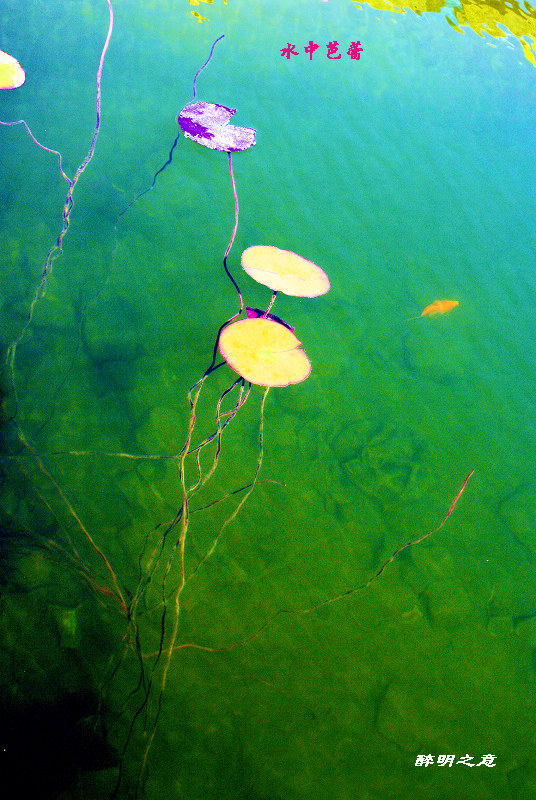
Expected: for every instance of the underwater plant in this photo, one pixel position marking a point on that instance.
(262, 350)
(260, 347)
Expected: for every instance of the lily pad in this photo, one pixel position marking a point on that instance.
(284, 271)
(206, 124)
(264, 352)
(12, 74)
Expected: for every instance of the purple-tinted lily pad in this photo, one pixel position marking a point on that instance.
(206, 124)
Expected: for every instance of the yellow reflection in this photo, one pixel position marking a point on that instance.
(482, 16)
(196, 14)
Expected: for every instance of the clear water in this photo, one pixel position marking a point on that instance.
(408, 176)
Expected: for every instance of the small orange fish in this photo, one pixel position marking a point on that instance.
(439, 307)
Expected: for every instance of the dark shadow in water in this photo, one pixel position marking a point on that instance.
(45, 746)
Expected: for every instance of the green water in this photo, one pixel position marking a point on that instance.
(408, 176)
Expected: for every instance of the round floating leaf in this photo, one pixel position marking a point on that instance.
(12, 74)
(284, 271)
(206, 124)
(264, 352)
